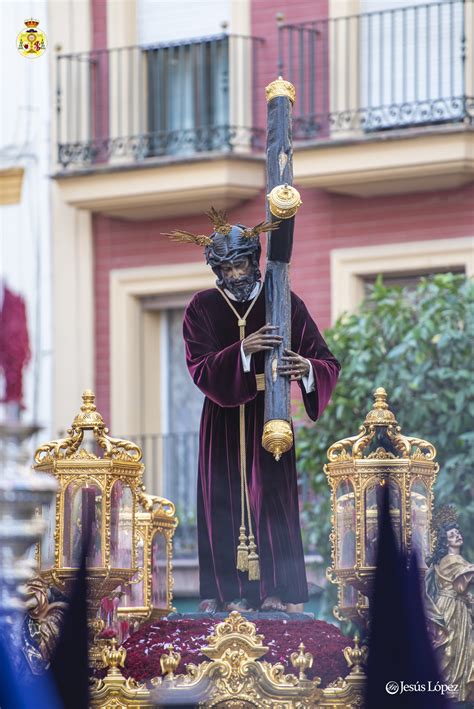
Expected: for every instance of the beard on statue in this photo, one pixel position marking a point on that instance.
(240, 288)
(238, 276)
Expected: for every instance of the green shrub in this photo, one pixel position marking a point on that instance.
(418, 345)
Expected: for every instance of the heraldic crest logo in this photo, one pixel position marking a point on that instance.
(31, 42)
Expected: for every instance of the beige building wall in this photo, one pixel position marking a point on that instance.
(135, 343)
(73, 316)
(123, 69)
(339, 60)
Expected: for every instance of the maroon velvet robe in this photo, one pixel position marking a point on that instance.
(213, 356)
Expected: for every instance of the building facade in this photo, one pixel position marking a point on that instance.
(25, 211)
(160, 113)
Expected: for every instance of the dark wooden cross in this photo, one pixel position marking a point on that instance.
(282, 204)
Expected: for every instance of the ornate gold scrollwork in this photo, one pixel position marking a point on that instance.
(379, 454)
(235, 676)
(89, 419)
(156, 504)
(424, 449)
(236, 673)
(61, 448)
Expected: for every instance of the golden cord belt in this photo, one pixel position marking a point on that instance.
(247, 556)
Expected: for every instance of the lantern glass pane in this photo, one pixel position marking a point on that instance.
(373, 503)
(82, 515)
(420, 540)
(121, 526)
(349, 596)
(159, 577)
(345, 525)
(134, 594)
(47, 543)
(396, 510)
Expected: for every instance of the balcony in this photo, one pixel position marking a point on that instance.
(384, 99)
(159, 130)
(385, 104)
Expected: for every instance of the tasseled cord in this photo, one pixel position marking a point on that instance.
(247, 557)
(242, 551)
(253, 560)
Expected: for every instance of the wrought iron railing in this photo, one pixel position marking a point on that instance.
(171, 462)
(176, 98)
(392, 68)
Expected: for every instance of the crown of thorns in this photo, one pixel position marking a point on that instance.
(221, 225)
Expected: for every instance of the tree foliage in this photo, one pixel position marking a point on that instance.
(417, 344)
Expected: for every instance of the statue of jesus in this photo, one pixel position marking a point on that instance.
(227, 365)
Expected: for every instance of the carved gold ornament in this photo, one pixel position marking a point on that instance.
(284, 201)
(277, 437)
(114, 690)
(235, 673)
(169, 662)
(381, 416)
(280, 87)
(302, 661)
(155, 520)
(379, 455)
(235, 676)
(96, 497)
(88, 419)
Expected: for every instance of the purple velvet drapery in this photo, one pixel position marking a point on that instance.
(213, 356)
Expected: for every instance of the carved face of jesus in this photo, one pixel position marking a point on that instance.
(239, 277)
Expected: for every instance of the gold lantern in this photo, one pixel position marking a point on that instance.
(150, 594)
(358, 468)
(96, 497)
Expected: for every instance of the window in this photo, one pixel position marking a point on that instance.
(188, 96)
(407, 279)
(171, 450)
(411, 62)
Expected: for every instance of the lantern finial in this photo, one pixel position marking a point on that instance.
(380, 396)
(380, 415)
(89, 418)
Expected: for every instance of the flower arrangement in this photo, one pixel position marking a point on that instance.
(188, 636)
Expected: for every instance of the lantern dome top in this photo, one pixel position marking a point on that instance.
(69, 447)
(88, 418)
(380, 430)
(380, 415)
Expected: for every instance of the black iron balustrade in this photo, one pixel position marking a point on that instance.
(171, 462)
(179, 98)
(381, 70)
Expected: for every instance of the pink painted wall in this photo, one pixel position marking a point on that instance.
(100, 73)
(325, 222)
